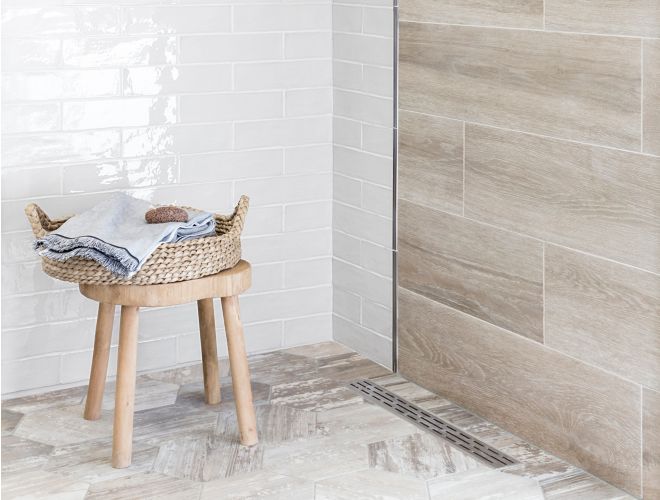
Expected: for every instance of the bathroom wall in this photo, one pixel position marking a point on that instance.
(529, 221)
(194, 102)
(363, 172)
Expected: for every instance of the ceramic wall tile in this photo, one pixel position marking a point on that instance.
(191, 102)
(507, 78)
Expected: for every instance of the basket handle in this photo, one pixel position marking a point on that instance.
(240, 213)
(40, 222)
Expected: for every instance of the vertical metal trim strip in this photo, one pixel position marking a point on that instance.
(395, 179)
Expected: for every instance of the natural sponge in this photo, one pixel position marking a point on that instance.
(159, 215)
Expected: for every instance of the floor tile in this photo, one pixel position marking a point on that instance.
(64, 425)
(89, 461)
(206, 458)
(316, 437)
(20, 454)
(315, 394)
(262, 484)
(579, 484)
(371, 484)
(9, 420)
(420, 455)
(192, 395)
(492, 484)
(146, 485)
(319, 351)
(41, 484)
(348, 367)
(274, 423)
(55, 399)
(316, 458)
(149, 394)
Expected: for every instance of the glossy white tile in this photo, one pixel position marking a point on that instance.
(110, 113)
(117, 52)
(154, 80)
(61, 20)
(60, 84)
(166, 19)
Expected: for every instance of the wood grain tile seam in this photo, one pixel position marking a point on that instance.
(546, 242)
(534, 342)
(540, 30)
(534, 134)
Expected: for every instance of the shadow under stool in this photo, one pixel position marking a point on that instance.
(226, 285)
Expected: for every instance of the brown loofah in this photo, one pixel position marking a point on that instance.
(160, 215)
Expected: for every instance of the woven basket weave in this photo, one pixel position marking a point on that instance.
(170, 262)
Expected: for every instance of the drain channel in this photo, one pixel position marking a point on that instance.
(429, 422)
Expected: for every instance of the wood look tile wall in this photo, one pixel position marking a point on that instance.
(529, 221)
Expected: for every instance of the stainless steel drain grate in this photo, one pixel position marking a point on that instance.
(427, 421)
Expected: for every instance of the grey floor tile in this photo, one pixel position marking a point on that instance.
(315, 394)
(371, 485)
(192, 394)
(148, 485)
(490, 484)
(420, 455)
(317, 437)
(63, 425)
(261, 484)
(42, 484)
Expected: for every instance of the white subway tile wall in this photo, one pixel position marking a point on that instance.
(363, 53)
(187, 101)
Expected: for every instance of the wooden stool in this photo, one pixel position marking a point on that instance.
(227, 285)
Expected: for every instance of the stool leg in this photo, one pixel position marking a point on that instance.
(240, 372)
(100, 357)
(209, 351)
(122, 433)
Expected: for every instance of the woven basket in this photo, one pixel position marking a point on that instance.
(170, 262)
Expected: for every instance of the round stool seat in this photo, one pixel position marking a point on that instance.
(228, 283)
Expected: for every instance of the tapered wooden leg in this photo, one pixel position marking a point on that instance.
(240, 372)
(100, 358)
(122, 434)
(209, 351)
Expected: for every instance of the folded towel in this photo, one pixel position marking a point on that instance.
(115, 234)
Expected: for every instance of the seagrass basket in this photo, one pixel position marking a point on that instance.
(170, 262)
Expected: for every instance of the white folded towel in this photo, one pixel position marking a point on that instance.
(115, 234)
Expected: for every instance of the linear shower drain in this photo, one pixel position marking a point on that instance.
(429, 422)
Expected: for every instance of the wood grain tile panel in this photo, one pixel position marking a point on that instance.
(511, 13)
(651, 449)
(598, 200)
(579, 87)
(651, 111)
(492, 274)
(619, 17)
(580, 413)
(431, 161)
(604, 313)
